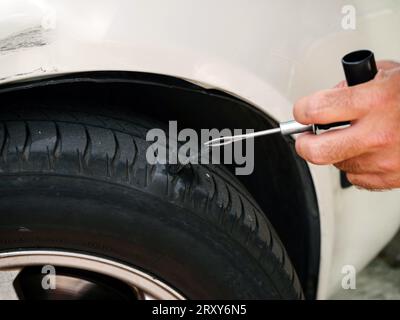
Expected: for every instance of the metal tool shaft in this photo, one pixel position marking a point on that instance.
(293, 127)
(285, 128)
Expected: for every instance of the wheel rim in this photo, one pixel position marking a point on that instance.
(77, 276)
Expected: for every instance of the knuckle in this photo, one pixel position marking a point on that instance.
(310, 109)
(341, 165)
(315, 110)
(351, 166)
(341, 84)
(349, 100)
(299, 110)
(382, 96)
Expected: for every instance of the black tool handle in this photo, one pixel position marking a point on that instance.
(359, 67)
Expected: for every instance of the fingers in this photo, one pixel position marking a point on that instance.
(364, 164)
(332, 146)
(371, 163)
(354, 165)
(369, 150)
(334, 105)
(373, 182)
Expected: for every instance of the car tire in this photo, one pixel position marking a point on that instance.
(80, 182)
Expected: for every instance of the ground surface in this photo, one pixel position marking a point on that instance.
(377, 281)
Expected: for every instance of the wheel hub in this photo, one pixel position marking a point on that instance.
(51, 275)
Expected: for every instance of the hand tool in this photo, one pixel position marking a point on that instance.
(359, 67)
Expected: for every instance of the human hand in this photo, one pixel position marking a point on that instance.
(369, 150)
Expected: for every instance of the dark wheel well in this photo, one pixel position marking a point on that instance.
(291, 204)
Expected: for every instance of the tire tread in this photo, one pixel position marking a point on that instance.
(114, 150)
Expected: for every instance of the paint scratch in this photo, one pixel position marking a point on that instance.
(33, 72)
(28, 38)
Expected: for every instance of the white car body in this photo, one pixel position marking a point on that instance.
(267, 53)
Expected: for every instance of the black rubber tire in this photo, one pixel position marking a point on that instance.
(80, 182)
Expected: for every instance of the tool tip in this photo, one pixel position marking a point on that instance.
(220, 141)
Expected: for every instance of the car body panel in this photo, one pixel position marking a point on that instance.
(267, 53)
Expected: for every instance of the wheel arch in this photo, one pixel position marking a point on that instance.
(291, 207)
